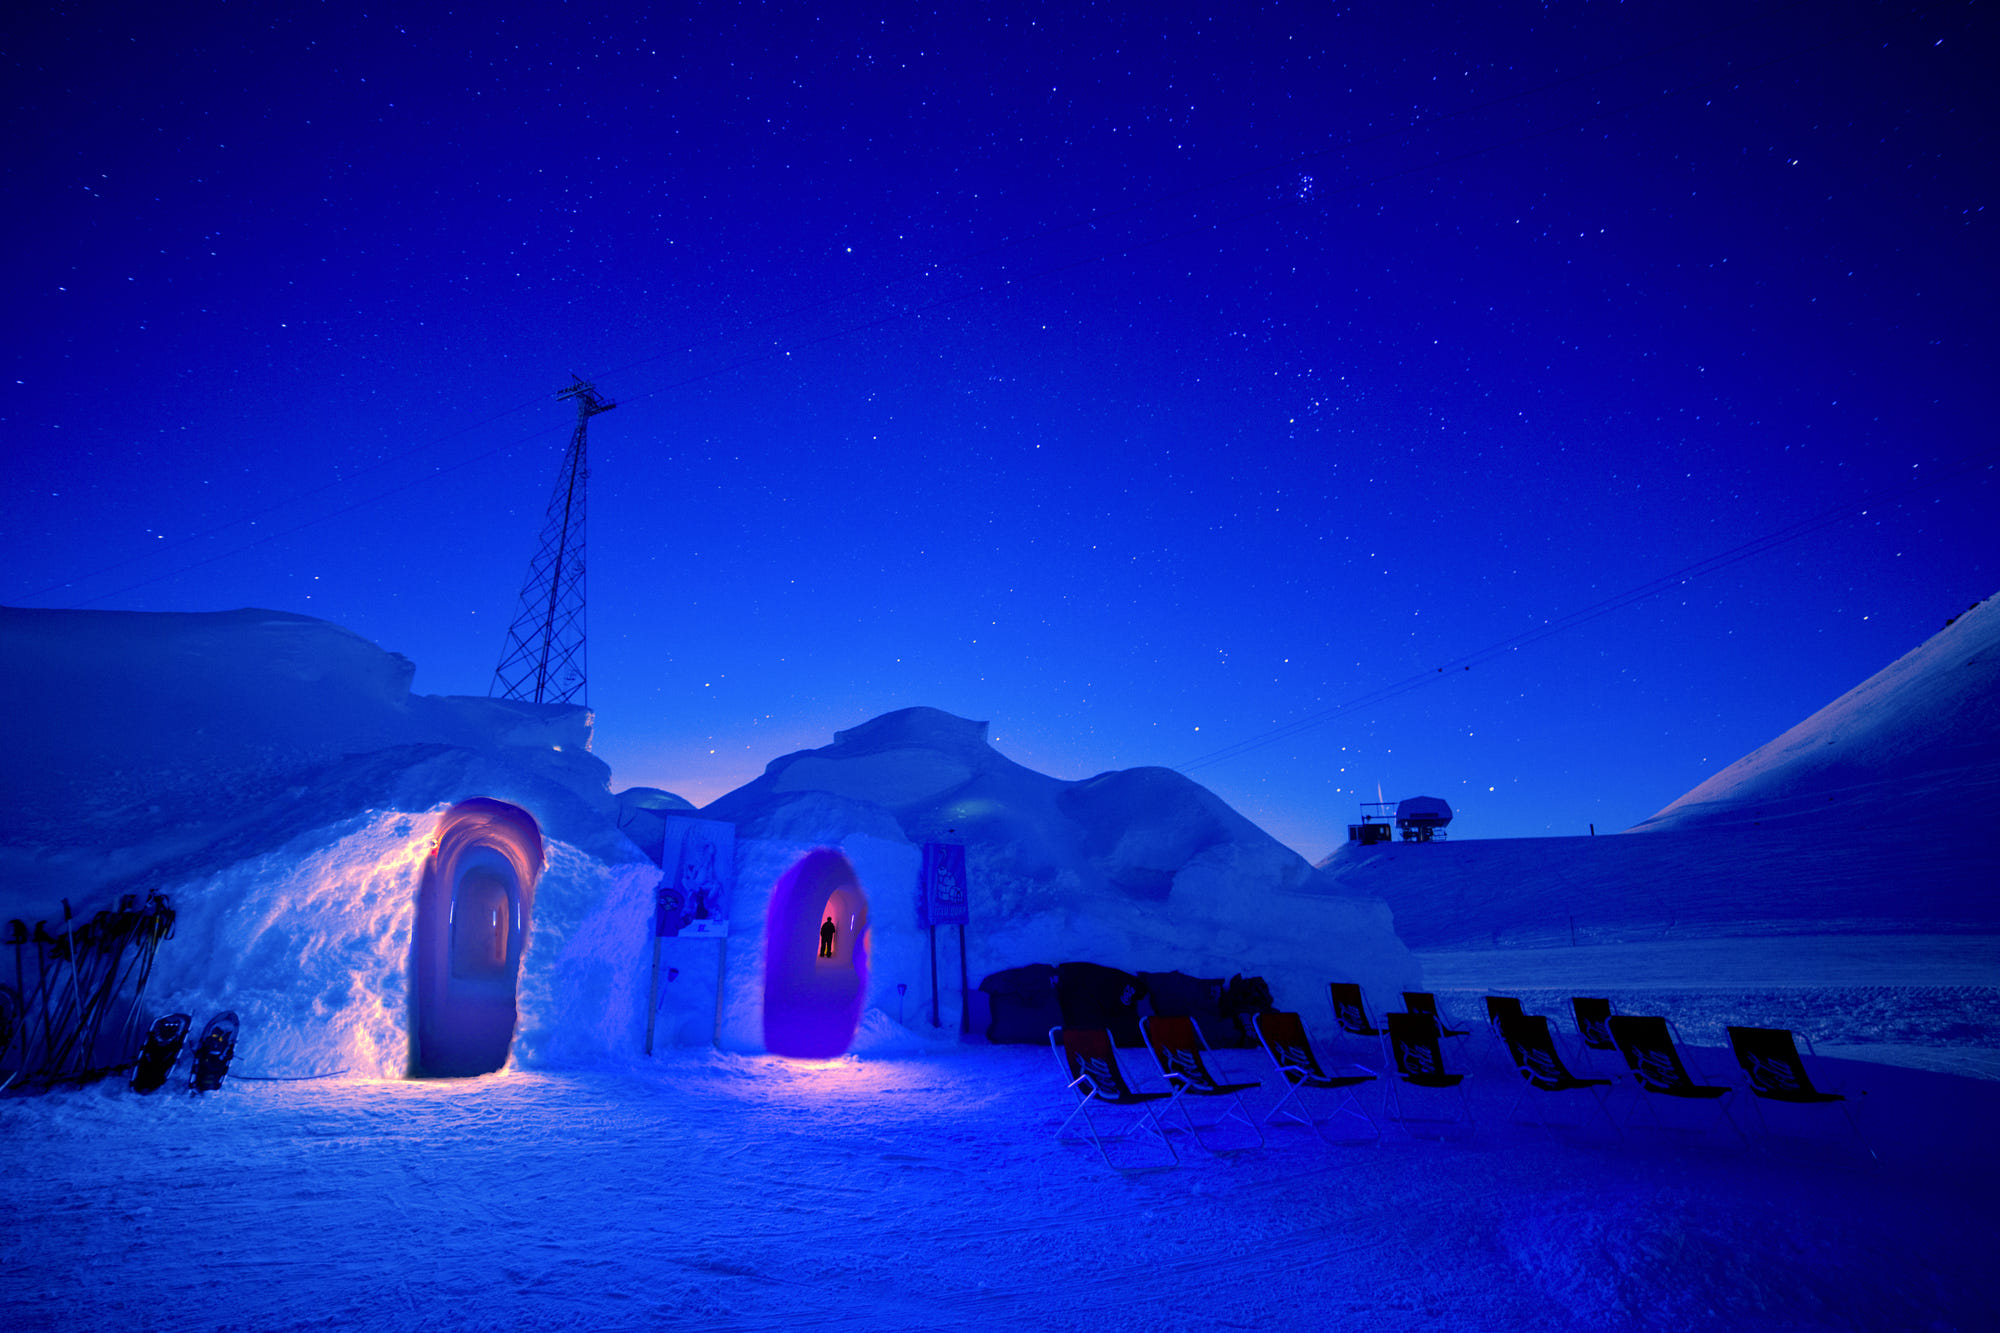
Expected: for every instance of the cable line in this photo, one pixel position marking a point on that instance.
(1564, 623)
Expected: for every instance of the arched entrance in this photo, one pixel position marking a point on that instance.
(473, 913)
(815, 958)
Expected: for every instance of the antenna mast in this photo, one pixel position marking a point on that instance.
(543, 661)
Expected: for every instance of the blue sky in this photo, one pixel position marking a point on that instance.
(1145, 382)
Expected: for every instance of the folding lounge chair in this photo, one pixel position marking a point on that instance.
(1770, 1060)
(1351, 1011)
(1093, 1075)
(1413, 1043)
(1533, 1049)
(1651, 1051)
(1423, 1002)
(1176, 1043)
(1283, 1037)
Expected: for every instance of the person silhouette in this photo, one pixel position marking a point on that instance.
(827, 931)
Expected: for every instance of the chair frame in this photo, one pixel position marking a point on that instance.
(1531, 1046)
(1275, 1030)
(1177, 1046)
(1105, 1086)
(1779, 1075)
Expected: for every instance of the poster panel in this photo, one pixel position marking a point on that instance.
(699, 861)
(944, 885)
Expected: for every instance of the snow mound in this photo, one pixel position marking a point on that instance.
(1142, 869)
(145, 746)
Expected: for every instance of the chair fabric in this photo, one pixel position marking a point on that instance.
(1091, 1067)
(1351, 1011)
(1650, 1052)
(1770, 1059)
(1593, 1022)
(1414, 1045)
(1499, 1007)
(1282, 1034)
(1419, 1058)
(1177, 1047)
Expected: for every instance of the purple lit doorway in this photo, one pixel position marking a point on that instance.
(813, 1003)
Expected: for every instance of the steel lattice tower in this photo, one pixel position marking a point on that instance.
(543, 661)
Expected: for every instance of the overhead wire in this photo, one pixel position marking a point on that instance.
(1843, 512)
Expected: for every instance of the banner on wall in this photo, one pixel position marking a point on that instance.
(699, 861)
(944, 884)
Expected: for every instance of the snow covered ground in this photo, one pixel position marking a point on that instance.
(925, 1189)
(1925, 1001)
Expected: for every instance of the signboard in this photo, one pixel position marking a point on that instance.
(699, 858)
(944, 885)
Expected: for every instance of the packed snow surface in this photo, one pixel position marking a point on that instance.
(909, 1191)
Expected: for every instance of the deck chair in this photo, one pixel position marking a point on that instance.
(1652, 1052)
(1776, 1073)
(1532, 1047)
(1176, 1044)
(1423, 1002)
(1283, 1037)
(1351, 1011)
(1419, 1057)
(1092, 1072)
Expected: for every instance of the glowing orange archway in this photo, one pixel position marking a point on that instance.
(473, 913)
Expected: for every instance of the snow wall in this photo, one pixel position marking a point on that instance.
(273, 775)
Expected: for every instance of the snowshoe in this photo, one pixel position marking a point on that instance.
(213, 1053)
(161, 1051)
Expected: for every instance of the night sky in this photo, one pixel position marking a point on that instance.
(1146, 379)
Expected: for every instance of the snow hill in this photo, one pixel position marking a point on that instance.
(1141, 869)
(1874, 815)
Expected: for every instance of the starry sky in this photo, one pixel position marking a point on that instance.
(1533, 405)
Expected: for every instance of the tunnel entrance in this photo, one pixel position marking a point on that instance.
(473, 912)
(815, 958)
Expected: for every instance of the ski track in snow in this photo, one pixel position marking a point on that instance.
(708, 1191)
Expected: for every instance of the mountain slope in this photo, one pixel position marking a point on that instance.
(1875, 814)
